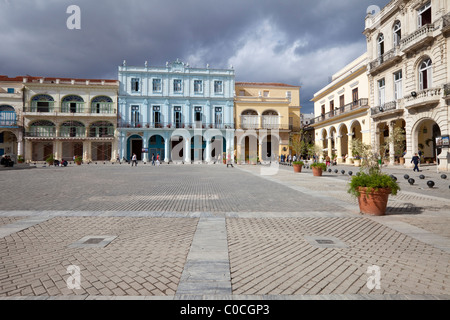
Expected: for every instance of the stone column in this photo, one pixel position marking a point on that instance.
(330, 146)
(349, 153)
(208, 151)
(338, 147)
(391, 144)
(167, 140)
(145, 139)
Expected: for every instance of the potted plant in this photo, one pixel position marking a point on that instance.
(371, 186)
(78, 160)
(297, 166)
(20, 159)
(50, 159)
(318, 168)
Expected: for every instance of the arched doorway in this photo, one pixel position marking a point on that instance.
(343, 134)
(134, 145)
(425, 136)
(156, 145)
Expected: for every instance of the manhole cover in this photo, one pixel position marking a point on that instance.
(325, 242)
(93, 242)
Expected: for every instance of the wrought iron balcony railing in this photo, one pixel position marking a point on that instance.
(392, 105)
(342, 110)
(172, 125)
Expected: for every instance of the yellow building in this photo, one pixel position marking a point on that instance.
(265, 116)
(342, 112)
(70, 117)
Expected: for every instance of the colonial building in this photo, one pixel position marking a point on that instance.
(409, 75)
(342, 112)
(11, 105)
(70, 117)
(266, 114)
(175, 111)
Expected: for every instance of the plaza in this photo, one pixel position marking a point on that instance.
(178, 232)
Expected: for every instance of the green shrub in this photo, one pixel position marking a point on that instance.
(298, 162)
(372, 181)
(320, 165)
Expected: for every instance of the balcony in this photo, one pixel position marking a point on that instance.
(173, 126)
(8, 119)
(79, 108)
(423, 98)
(361, 104)
(385, 109)
(268, 122)
(384, 61)
(417, 39)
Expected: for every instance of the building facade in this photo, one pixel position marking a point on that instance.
(11, 126)
(342, 112)
(178, 112)
(67, 117)
(266, 115)
(409, 75)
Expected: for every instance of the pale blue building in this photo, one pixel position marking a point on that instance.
(177, 112)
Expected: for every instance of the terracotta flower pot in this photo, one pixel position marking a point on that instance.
(375, 202)
(317, 172)
(297, 167)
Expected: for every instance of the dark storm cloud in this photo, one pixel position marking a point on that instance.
(298, 42)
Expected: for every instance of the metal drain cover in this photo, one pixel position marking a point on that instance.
(325, 242)
(92, 242)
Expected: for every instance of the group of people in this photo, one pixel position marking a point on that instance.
(7, 161)
(134, 161)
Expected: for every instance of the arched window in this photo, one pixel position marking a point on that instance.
(397, 33)
(8, 116)
(42, 128)
(380, 42)
(72, 129)
(101, 129)
(72, 104)
(102, 104)
(42, 103)
(425, 74)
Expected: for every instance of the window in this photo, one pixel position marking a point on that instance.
(157, 116)
(218, 86)
(355, 96)
(218, 116)
(380, 42)
(341, 101)
(397, 33)
(242, 93)
(157, 85)
(381, 92)
(198, 86)
(135, 115)
(266, 93)
(134, 84)
(289, 95)
(332, 107)
(177, 116)
(425, 74)
(198, 114)
(10, 90)
(177, 85)
(398, 90)
(424, 15)
(323, 110)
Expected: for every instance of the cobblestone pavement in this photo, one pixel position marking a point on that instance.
(207, 231)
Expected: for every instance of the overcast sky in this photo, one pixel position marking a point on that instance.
(297, 42)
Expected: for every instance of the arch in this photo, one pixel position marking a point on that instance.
(270, 112)
(42, 128)
(102, 104)
(42, 97)
(134, 145)
(397, 32)
(423, 135)
(101, 99)
(72, 129)
(249, 112)
(8, 117)
(72, 98)
(101, 129)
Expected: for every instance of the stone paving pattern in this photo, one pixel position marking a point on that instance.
(262, 222)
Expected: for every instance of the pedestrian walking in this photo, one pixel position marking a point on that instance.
(416, 160)
(157, 159)
(134, 160)
(153, 159)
